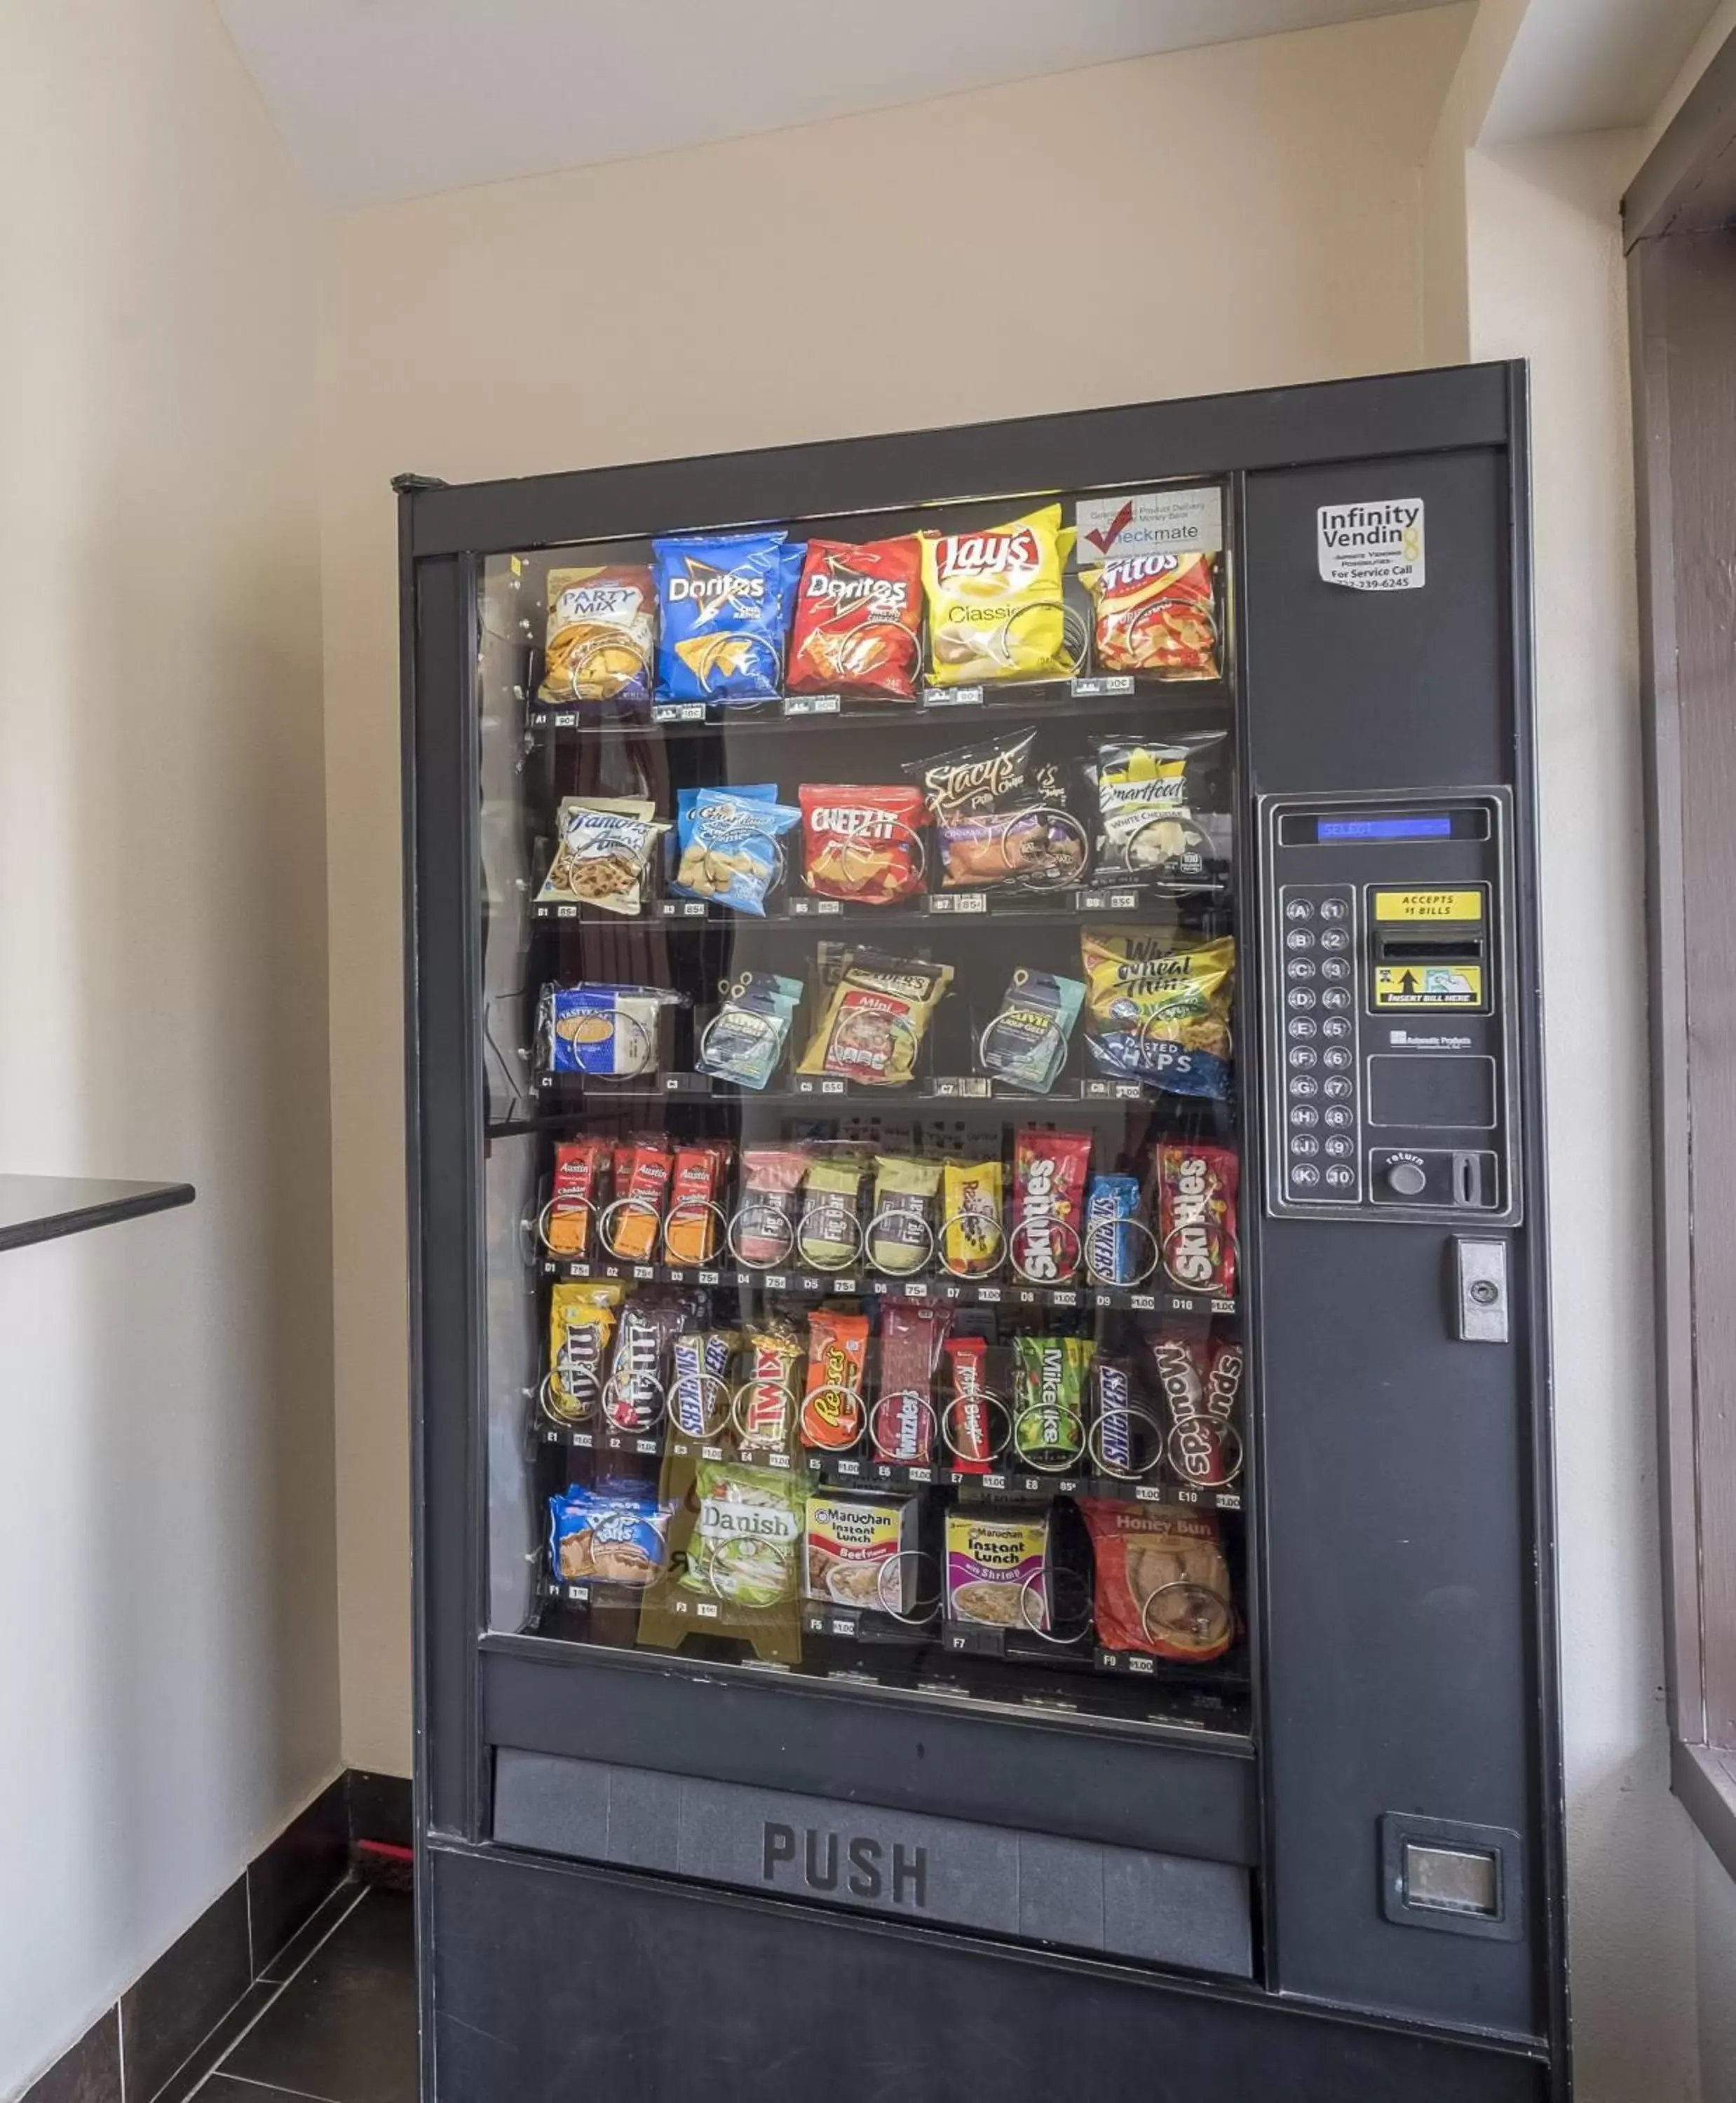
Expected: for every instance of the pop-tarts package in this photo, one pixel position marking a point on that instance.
(726, 843)
(725, 600)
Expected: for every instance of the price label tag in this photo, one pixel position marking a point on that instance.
(1142, 1303)
(566, 912)
(710, 1452)
(1063, 1299)
(804, 909)
(644, 1445)
(922, 1474)
(1092, 688)
(1140, 1663)
(810, 705)
(668, 712)
(1223, 1306)
(952, 697)
(1229, 1501)
(644, 1270)
(958, 901)
(777, 1459)
(579, 1595)
(1149, 1493)
(843, 1627)
(849, 1467)
(706, 1610)
(832, 1088)
(1106, 901)
(994, 1482)
(709, 1278)
(989, 1296)
(777, 1281)
(919, 1290)
(843, 1285)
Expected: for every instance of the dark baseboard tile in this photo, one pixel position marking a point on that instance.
(172, 2024)
(89, 2073)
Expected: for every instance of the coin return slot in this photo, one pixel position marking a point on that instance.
(1446, 1880)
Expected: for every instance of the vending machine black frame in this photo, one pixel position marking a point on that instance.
(1360, 1749)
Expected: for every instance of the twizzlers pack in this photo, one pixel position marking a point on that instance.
(858, 619)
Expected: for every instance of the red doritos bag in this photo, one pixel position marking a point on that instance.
(858, 612)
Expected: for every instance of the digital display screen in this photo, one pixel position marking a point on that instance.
(1423, 825)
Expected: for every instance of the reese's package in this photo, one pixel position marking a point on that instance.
(995, 609)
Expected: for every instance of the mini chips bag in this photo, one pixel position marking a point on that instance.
(723, 600)
(1158, 1012)
(601, 630)
(873, 1024)
(862, 844)
(1155, 613)
(858, 612)
(995, 610)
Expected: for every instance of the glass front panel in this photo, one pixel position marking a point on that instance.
(862, 1163)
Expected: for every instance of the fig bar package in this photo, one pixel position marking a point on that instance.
(1159, 1013)
(833, 1409)
(603, 846)
(901, 1233)
(858, 619)
(722, 604)
(861, 844)
(1161, 1586)
(997, 1569)
(1196, 1215)
(829, 1233)
(763, 1232)
(746, 1547)
(580, 1166)
(1155, 613)
(872, 1026)
(995, 610)
(1049, 1169)
(903, 1423)
(602, 632)
(1148, 827)
(602, 1539)
(861, 1551)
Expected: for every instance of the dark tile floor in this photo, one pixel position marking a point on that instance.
(343, 2029)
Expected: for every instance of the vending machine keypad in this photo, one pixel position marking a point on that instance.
(1389, 1085)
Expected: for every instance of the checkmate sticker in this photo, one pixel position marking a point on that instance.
(1372, 547)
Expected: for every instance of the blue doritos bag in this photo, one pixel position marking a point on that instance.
(725, 600)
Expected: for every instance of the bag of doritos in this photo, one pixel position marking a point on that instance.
(995, 609)
(724, 602)
(858, 617)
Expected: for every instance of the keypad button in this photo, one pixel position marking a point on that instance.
(1340, 1178)
(1300, 967)
(1339, 1117)
(1338, 1147)
(1338, 1058)
(1338, 1090)
(1298, 909)
(1334, 908)
(1335, 997)
(1299, 938)
(1304, 1175)
(1301, 997)
(1303, 1055)
(1301, 1086)
(1304, 1142)
(1301, 1025)
(1336, 938)
(1304, 1114)
(1335, 967)
(1335, 1025)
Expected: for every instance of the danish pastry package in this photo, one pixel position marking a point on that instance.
(995, 605)
(601, 636)
(746, 1544)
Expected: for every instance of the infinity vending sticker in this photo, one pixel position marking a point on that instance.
(1372, 547)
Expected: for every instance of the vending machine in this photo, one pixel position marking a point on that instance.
(981, 1394)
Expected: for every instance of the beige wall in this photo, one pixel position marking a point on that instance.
(166, 1509)
(1218, 219)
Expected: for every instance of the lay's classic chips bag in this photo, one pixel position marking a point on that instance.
(724, 602)
(995, 610)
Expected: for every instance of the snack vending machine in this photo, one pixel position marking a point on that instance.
(981, 1401)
